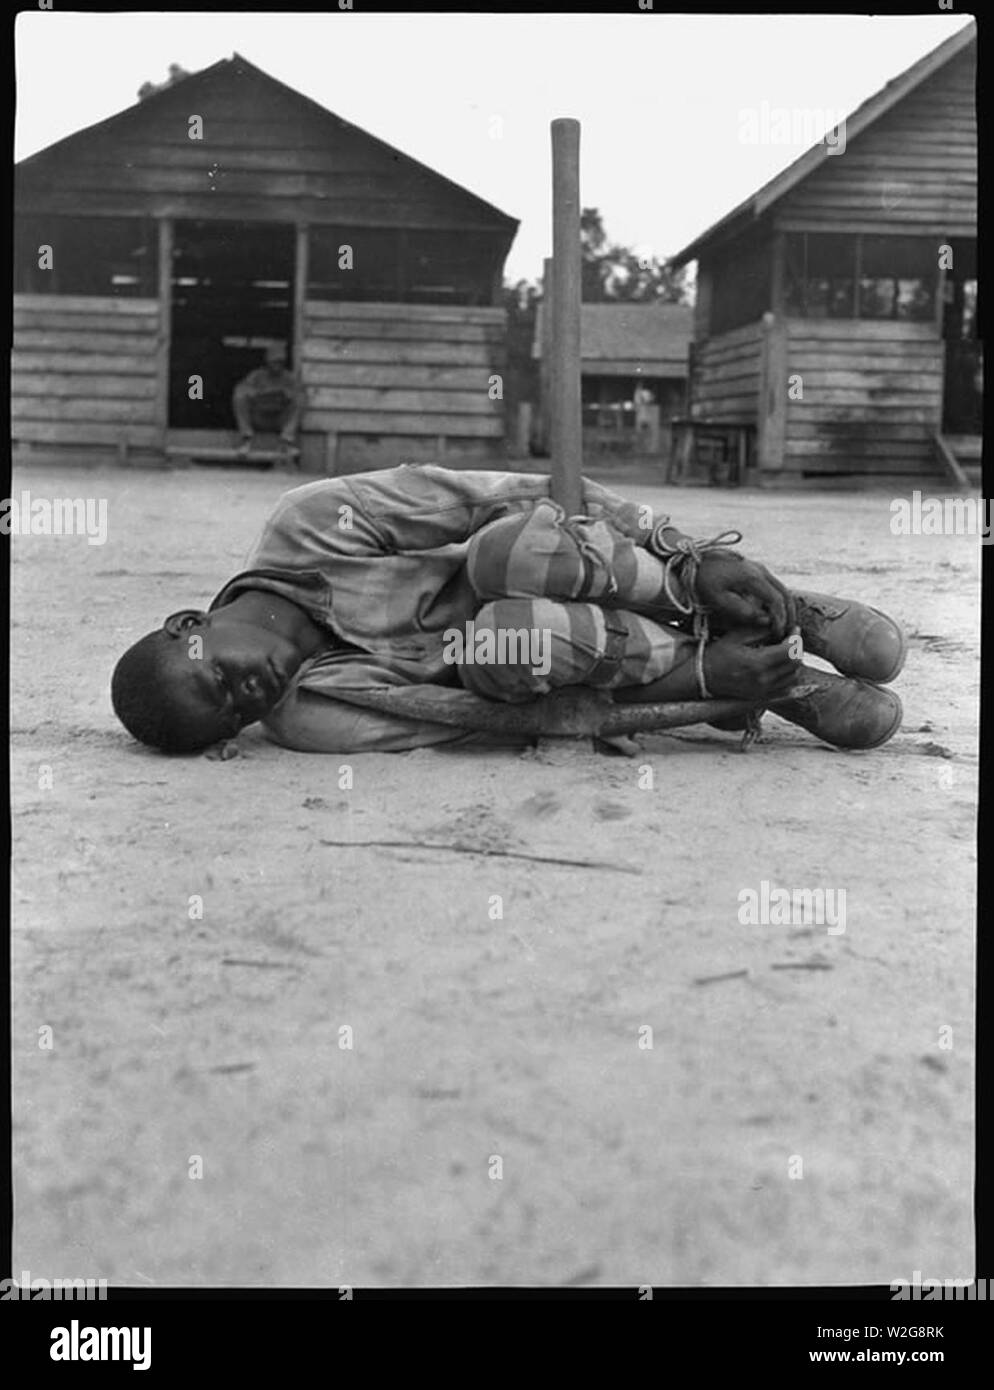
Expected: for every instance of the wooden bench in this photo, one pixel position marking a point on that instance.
(733, 448)
(258, 455)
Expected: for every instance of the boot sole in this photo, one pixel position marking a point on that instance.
(899, 661)
(888, 733)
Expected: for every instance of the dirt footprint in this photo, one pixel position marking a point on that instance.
(541, 806)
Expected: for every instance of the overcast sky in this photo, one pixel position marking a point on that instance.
(661, 98)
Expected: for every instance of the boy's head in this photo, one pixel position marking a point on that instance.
(275, 357)
(198, 679)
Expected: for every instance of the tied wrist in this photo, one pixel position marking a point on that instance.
(664, 539)
(666, 542)
(682, 558)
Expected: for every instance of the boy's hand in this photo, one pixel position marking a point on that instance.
(740, 593)
(736, 667)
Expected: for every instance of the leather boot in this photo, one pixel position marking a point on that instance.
(840, 710)
(857, 640)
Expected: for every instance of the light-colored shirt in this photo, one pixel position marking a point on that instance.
(270, 391)
(378, 561)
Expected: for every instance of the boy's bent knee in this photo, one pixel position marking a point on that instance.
(522, 556)
(507, 649)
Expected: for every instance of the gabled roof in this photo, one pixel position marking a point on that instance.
(236, 64)
(863, 117)
(652, 338)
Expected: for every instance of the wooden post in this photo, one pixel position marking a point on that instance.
(403, 266)
(545, 360)
(771, 424)
(940, 294)
(523, 436)
(331, 454)
(496, 285)
(772, 406)
(566, 414)
(300, 274)
(778, 275)
(654, 414)
(165, 326)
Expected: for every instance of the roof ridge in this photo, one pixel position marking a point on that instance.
(324, 112)
(809, 160)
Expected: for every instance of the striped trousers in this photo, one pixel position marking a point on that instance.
(565, 602)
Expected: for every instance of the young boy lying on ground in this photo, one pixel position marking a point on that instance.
(390, 578)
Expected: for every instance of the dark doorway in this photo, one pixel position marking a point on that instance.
(962, 401)
(232, 294)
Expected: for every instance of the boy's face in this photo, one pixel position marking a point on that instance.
(226, 673)
(275, 358)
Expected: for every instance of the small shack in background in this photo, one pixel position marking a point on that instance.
(835, 331)
(634, 375)
(223, 212)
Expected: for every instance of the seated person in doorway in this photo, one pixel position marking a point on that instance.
(269, 400)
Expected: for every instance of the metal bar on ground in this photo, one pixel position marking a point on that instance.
(568, 713)
(566, 413)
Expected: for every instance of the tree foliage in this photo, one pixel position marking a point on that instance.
(613, 273)
(176, 74)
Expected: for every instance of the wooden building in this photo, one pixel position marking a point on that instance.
(624, 346)
(835, 324)
(223, 212)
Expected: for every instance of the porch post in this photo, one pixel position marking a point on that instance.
(772, 421)
(777, 273)
(165, 229)
(772, 403)
(941, 280)
(301, 271)
(940, 292)
(300, 274)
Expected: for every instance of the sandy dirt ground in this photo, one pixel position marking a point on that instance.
(478, 1039)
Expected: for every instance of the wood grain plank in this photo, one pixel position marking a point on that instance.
(440, 353)
(355, 398)
(89, 411)
(394, 374)
(53, 385)
(894, 430)
(428, 426)
(875, 415)
(224, 206)
(385, 330)
(72, 432)
(127, 345)
(417, 313)
(854, 331)
(140, 328)
(85, 305)
(867, 446)
(84, 364)
(912, 462)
